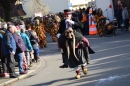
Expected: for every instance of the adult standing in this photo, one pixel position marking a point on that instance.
(21, 48)
(125, 17)
(9, 49)
(27, 44)
(118, 13)
(34, 41)
(2, 32)
(64, 24)
(84, 24)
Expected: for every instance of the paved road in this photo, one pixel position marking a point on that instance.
(110, 65)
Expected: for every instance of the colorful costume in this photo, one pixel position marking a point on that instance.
(38, 28)
(99, 18)
(103, 24)
(53, 31)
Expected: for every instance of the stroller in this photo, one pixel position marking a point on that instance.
(106, 28)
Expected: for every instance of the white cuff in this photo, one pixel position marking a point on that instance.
(58, 35)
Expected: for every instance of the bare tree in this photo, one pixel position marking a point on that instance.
(35, 6)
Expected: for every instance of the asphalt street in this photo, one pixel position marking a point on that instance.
(110, 65)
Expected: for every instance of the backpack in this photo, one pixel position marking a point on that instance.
(32, 38)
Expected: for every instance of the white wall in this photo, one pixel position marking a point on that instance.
(78, 2)
(104, 4)
(57, 5)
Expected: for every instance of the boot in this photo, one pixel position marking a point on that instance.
(78, 76)
(84, 69)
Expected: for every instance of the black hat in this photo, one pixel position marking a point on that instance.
(67, 11)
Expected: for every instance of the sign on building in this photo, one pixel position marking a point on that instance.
(38, 14)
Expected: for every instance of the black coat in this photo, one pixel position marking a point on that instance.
(76, 26)
(118, 11)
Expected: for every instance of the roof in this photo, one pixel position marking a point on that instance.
(17, 10)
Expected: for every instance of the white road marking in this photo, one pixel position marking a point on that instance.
(103, 82)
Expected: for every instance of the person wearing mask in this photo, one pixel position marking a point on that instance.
(77, 56)
(69, 21)
(39, 29)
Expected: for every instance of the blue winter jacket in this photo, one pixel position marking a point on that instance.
(26, 41)
(8, 43)
(1, 36)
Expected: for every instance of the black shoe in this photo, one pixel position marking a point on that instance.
(63, 66)
(14, 76)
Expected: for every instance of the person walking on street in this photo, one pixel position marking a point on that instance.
(64, 24)
(77, 51)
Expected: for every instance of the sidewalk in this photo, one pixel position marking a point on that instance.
(7, 80)
(35, 66)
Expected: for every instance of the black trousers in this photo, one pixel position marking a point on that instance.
(119, 19)
(64, 58)
(126, 22)
(10, 63)
(4, 68)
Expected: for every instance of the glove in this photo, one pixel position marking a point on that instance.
(58, 35)
(70, 21)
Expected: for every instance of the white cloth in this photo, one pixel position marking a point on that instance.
(79, 67)
(69, 23)
(58, 35)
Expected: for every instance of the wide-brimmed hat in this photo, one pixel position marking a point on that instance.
(67, 11)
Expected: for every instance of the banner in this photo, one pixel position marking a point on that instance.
(38, 14)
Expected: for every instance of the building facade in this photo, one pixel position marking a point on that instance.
(126, 2)
(76, 4)
(57, 5)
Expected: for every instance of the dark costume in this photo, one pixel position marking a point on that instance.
(79, 51)
(75, 50)
(76, 26)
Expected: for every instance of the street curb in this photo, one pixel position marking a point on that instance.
(21, 76)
